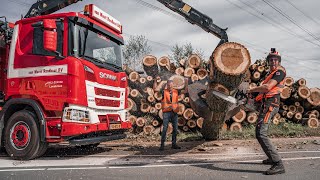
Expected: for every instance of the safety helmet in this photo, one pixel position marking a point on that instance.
(274, 53)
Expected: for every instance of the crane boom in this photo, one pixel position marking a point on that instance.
(44, 7)
(195, 17)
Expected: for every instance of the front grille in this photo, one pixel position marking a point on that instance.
(106, 92)
(106, 102)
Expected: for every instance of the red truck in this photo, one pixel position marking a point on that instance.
(61, 79)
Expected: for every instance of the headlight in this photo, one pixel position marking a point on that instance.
(76, 115)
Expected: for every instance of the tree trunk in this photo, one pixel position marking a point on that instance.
(132, 106)
(290, 115)
(260, 69)
(186, 101)
(160, 114)
(252, 85)
(150, 65)
(134, 76)
(181, 97)
(149, 91)
(178, 82)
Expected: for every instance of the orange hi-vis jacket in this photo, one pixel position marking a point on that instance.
(275, 90)
(167, 105)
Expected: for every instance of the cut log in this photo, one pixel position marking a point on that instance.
(153, 111)
(134, 76)
(186, 100)
(179, 71)
(252, 85)
(303, 93)
(145, 108)
(188, 72)
(216, 103)
(301, 82)
(182, 108)
(181, 121)
(127, 69)
(286, 93)
(297, 104)
(135, 95)
(140, 122)
(178, 81)
(236, 127)
(157, 106)
(278, 116)
(150, 65)
(148, 129)
(297, 117)
(315, 112)
(260, 69)
(293, 108)
(158, 96)
(282, 120)
(194, 61)
(256, 76)
(132, 106)
(155, 123)
(151, 99)
(284, 113)
(188, 113)
(182, 62)
(288, 81)
(275, 121)
(195, 115)
(240, 116)
(202, 73)
(290, 115)
(164, 64)
(313, 123)
(132, 119)
(191, 123)
(252, 117)
(285, 107)
(149, 91)
(181, 97)
(194, 77)
(169, 129)
(185, 128)
(314, 98)
(300, 109)
(172, 68)
(156, 131)
(200, 122)
(253, 67)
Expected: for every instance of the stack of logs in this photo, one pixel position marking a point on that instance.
(144, 102)
(299, 104)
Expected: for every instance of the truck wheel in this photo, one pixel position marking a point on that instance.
(22, 139)
(42, 149)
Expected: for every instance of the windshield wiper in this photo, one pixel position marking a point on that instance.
(117, 68)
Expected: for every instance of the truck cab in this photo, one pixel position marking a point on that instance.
(62, 81)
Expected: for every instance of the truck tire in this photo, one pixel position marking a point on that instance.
(42, 149)
(22, 137)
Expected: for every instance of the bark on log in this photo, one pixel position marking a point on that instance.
(288, 81)
(150, 65)
(135, 95)
(191, 123)
(252, 117)
(172, 68)
(253, 67)
(132, 119)
(216, 103)
(194, 61)
(132, 106)
(127, 69)
(240, 116)
(282, 120)
(236, 127)
(202, 73)
(164, 64)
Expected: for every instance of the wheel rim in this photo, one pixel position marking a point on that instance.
(20, 135)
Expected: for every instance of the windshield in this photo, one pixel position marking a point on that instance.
(93, 45)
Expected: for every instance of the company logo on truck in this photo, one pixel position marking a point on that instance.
(107, 76)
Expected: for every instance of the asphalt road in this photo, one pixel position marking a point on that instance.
(227, 160)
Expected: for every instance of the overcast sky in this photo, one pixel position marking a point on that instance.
(300, 57)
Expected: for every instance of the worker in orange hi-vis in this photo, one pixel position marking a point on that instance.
(269, 98)
(170, 109)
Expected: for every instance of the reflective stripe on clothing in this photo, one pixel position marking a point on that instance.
(275, 90)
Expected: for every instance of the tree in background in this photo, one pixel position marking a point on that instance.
(134, 50)
(183, 52)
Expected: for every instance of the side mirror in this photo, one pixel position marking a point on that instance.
(50, 35)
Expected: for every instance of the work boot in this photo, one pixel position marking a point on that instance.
(267, 161)
(276, 168)
(175, 146)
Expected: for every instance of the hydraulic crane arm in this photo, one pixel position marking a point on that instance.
(44, 7)
(195, 17)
